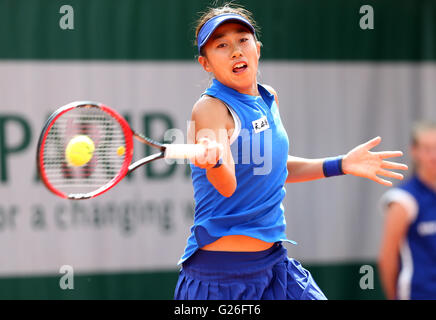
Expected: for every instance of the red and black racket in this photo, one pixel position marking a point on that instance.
(112, 154)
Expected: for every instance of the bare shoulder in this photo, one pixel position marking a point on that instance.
(207, 104)
(272, 91)
(398, 211)
(210, 111)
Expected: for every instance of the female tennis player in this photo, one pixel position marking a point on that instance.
(234, 250)
(407, 254)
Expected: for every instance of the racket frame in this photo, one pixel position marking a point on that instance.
(128, 137)
(170, 151)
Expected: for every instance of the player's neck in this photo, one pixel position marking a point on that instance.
(251, 89)
(428, 179)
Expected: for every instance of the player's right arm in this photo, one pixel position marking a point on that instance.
(397, 221)
(211, 124)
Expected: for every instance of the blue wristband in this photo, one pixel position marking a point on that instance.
(333, 166)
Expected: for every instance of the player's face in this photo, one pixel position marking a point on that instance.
(232, 55)
(424, 153)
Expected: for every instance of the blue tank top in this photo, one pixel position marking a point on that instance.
(417, 278)
(260, 153)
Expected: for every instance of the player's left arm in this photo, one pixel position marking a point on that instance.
(360, 161)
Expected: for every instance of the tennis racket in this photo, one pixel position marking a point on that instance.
(112, 145)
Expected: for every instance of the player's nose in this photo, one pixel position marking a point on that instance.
(237, 52)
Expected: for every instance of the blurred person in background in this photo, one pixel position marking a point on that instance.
(407, 259)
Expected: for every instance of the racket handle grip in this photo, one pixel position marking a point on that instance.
(184, 151)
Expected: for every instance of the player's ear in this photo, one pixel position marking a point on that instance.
(204, 63)
(258, 46)
(413, 151)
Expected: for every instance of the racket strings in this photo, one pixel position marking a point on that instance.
(106, 162)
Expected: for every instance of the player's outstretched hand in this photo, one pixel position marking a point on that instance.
(362, 162)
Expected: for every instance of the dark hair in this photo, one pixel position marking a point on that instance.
(227, 8)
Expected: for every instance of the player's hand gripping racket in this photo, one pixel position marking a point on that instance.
(86, 148)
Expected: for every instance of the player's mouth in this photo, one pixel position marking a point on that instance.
(239, 67)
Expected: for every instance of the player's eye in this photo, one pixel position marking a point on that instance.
(221, 45)
(243, 40)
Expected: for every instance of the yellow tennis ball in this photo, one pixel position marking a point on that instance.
(121, 150)
(79, 150)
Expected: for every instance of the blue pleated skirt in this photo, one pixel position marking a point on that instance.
(263, 275)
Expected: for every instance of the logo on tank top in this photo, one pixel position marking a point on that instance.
(427, 228)
(260, 125)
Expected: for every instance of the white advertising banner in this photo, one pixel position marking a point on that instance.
(143, 222)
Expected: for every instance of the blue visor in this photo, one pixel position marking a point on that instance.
(209, 27)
